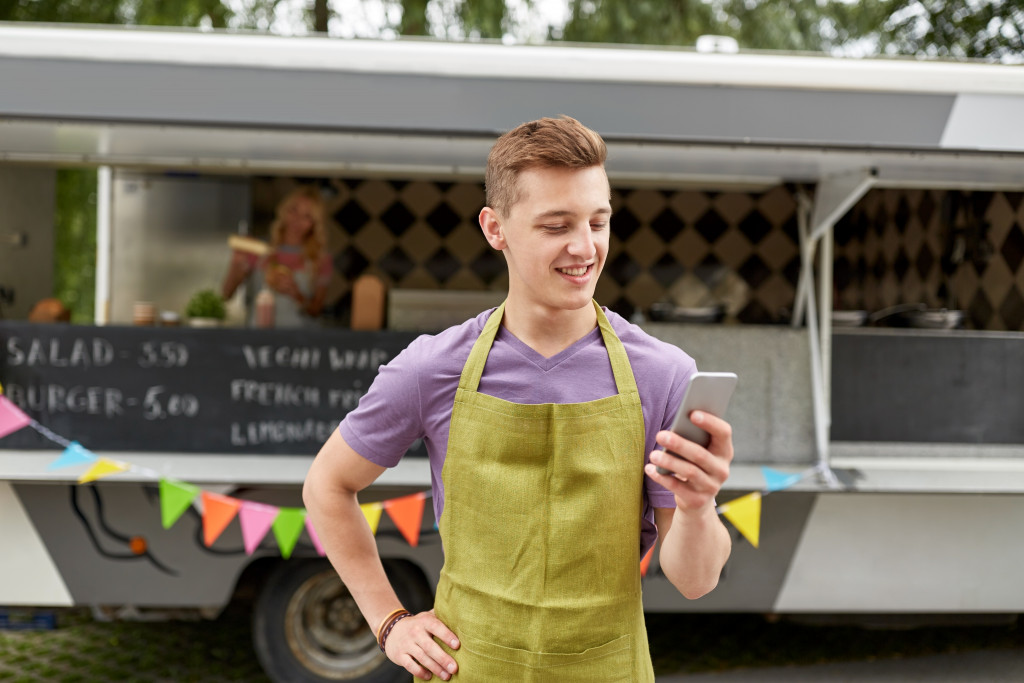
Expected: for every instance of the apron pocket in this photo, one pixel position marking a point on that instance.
(482, 661)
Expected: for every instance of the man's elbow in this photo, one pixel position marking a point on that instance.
(695, 581)
(309, 492)
(690, 582)
(698, 590)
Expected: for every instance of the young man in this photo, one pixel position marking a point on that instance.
(541, 419)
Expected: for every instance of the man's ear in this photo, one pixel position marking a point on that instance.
(490, 223)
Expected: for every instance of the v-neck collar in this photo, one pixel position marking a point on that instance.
(546, 364)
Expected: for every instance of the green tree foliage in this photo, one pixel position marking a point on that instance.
(75, 244)
(800, 25)
(951, 28)
(485, 18)
(138, 12)
(414, 18)
(68, 11)
(959, 29)
(455, 19)
(650, 22)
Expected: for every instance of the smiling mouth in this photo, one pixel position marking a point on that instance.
(577, 271)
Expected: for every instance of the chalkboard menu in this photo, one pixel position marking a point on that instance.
(188, 389)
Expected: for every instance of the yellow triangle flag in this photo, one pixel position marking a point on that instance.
(372, 513)
(745, 515)
(102, 468)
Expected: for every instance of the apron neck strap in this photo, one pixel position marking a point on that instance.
(624, 380)
(473, 370)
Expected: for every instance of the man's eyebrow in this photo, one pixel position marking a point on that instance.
(562, 213)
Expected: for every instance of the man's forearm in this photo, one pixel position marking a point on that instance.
(694, 551)
(352, 550)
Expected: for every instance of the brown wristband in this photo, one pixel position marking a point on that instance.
(385, 620)
(382, 640)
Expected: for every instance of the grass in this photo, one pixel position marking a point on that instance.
(81, 649)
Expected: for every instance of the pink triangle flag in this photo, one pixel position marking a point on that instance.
(314, 537)
(11, 417)
(256, 520)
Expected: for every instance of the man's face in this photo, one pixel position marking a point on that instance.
(556, 237)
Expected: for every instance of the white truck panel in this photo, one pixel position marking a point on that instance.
(28, 575)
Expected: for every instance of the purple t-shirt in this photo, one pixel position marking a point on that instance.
(413, 395)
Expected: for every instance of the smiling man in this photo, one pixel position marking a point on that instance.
(541, 419)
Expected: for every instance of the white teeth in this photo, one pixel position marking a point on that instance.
(575, 272)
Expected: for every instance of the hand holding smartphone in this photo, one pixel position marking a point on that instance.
(708, 392)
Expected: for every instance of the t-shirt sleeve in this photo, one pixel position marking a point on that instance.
(659, 496)
(388, 418)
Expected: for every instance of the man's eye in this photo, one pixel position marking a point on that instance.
(598, 226)
(553, 228)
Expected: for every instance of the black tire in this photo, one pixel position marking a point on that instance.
(307, 629)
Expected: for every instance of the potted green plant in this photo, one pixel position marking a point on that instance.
(205, 309)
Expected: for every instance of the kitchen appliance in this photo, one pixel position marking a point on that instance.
(918, 316)
(849, 318)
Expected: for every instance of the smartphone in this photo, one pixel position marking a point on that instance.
(709, 392)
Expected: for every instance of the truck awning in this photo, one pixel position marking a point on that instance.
(258, 103)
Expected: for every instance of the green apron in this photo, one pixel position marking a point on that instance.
(541, 531)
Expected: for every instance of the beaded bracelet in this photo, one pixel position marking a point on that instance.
(384, 636)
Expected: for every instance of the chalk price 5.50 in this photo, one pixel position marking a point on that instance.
(158, 405)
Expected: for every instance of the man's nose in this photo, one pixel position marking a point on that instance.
(582, 243)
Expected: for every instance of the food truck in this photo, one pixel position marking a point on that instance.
(845, 235)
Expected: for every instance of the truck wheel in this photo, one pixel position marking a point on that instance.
(307, 628)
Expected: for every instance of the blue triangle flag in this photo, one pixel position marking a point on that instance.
(776, 481)
(74, 454)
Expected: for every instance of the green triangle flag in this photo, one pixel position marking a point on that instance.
(287, 527)
(175, 497)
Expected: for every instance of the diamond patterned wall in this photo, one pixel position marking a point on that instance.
(688, 246)
(946, 249)
(699, 248)
(692, 247)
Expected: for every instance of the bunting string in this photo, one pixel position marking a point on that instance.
(256, 520)
(287, 523)
(52, 436)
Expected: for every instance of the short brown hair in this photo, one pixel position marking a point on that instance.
(545, 143)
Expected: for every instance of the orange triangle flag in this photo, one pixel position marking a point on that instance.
(645, 563)
(745, 515)
(218, 511)
(102, 468)
(407, 514)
